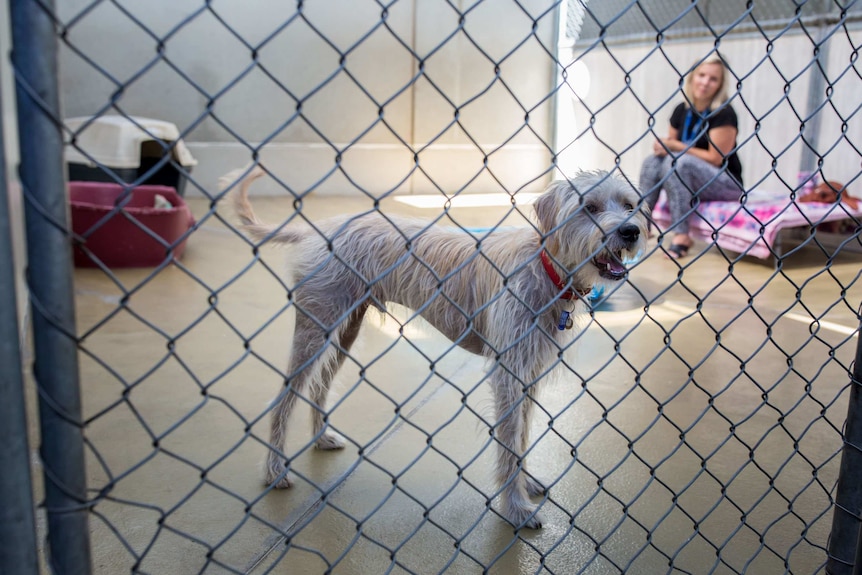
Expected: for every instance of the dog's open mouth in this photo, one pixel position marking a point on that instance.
(610, 266)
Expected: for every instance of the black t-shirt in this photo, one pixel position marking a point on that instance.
(723, 116)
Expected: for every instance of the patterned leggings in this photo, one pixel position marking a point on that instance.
(686, 181)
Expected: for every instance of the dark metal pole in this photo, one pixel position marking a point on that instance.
(18, 551)
(857, 569)
(49, 273)
(845, 539)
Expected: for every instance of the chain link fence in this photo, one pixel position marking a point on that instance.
(698, 423)
(619, 21)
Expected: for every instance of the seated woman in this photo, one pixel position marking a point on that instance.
(697, 160)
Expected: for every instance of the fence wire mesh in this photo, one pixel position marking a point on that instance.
(625, 21)
(695, 423)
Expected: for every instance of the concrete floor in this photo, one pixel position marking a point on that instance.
(659, 442)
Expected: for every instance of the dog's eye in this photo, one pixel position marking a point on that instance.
(628, 206)
(592, 208)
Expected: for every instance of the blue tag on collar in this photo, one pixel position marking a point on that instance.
(564, 320)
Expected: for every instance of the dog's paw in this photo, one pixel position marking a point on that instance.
(277, 477)
(534, 522)
(330, 440)
(283, 483)
(277, 482)
(525, 517)
(534, 487)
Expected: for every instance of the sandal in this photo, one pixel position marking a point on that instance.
(677, 251)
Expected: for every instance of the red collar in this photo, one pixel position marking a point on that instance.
(569, 294)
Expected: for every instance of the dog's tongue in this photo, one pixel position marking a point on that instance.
(613, 266)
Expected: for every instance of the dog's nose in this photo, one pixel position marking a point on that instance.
(630, 232)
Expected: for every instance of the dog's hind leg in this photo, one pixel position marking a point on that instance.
(276, 466)
(326, 438)
(511, 403)
(311, 360)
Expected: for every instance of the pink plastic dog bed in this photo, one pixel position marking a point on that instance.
(138, 234)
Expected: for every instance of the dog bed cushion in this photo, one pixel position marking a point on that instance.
(751, 227)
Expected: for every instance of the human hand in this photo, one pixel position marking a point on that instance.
(658, 147)
(671, 146)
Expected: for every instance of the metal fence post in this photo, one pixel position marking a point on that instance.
(846, 537)
(34, 59)
(857, 570)
(18, 552)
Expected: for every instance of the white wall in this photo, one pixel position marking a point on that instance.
(621, 115)
(209, 67)
(346, 140)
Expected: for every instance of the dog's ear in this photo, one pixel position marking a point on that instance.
(838, 187)
(550, 203)
(852, 203)
(547, 207)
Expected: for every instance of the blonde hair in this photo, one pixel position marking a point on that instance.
(720, 94)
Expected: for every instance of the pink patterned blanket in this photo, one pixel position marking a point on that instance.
(751, 227)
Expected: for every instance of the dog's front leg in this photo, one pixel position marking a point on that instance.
(513, 407)
(534, 486)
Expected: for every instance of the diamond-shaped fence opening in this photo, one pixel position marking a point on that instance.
(695, 420)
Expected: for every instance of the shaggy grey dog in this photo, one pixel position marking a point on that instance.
(508, 301)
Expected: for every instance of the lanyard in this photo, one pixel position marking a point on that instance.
(690, 132)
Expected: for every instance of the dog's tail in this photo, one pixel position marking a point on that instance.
(251, 225)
